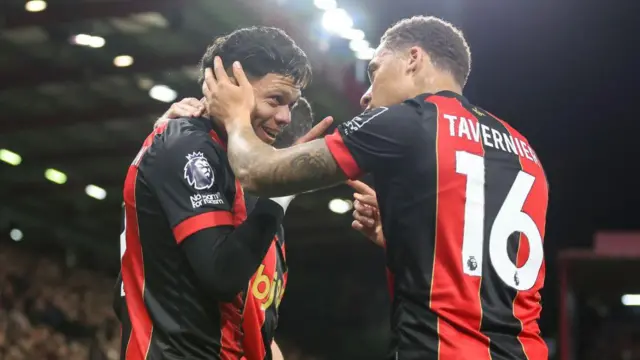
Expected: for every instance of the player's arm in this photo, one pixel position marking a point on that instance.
(375, 139)
(222, 256)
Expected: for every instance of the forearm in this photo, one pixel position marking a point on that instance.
(266, 171)
(224, 259)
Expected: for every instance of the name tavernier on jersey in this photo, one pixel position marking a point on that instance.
(463, 199)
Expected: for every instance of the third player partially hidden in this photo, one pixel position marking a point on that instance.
(462, 195)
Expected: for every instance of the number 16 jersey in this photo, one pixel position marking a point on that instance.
(463, 200)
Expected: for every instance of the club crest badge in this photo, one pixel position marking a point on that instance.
(198, 172)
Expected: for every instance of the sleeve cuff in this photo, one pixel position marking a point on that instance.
(196, 223)
(342, 155)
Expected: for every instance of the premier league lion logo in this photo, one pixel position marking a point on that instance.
(198, 172)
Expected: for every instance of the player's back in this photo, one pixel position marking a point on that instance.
(465, 221)
(169, 315)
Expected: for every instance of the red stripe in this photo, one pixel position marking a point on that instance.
(342, 155)
(216, 138)
(526, 305)
(196, 223)
(231, 333)
(455, 297)
(133, 276)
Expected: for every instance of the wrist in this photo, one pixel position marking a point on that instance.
(238, 123)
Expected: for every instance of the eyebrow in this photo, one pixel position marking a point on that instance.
(371, 69)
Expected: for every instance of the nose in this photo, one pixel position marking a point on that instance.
(365, 100)
(283, 116)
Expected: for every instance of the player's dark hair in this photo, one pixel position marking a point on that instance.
(261, 50)
(444, 43)
(301, 123)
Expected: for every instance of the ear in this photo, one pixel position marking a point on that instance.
(416, 57)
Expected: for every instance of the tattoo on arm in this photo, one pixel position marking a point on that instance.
(269, 172)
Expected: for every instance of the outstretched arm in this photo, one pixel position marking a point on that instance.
(271, 172)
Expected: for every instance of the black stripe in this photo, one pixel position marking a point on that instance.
(498, 321)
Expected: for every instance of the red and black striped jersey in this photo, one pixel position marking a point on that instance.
(463, 201)
(178, 184)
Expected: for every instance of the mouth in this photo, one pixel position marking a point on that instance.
(271, 133)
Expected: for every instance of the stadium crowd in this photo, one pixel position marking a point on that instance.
(50, 312)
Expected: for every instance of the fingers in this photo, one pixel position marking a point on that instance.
(316, 131)
(357, 225)
(195, 106)
(179, 110)
(219, 71)
(364, 220)
(363, 209)
(366, 199)
(240, 76)
(361, 187)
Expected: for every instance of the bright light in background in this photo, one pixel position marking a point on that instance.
(16, 234)
(35, 5)
(340, 206)
(88, 40)
(353, 34)
(96, 192)
(163, 93)
(55, 176)
(122, 61)
(358, 45)
(631, 299)
(366, 54)
(337, 21)
(10, 157)
(325, 4)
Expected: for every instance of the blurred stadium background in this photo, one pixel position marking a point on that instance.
(82, 81)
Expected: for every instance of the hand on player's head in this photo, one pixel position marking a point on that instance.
(187, 107)
(227, 101)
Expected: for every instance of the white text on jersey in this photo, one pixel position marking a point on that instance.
(473, 130)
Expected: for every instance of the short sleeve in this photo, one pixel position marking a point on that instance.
(376, 139)
(188, 179)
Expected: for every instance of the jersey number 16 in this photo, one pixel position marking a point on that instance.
(510, 219)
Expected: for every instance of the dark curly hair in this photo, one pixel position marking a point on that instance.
(261, 50)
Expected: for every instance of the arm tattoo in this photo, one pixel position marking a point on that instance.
(269, 172)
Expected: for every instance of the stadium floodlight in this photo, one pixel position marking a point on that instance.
(10, 157)
(631, 299)
(55, 176)
(95, 192)
(35, 5)
(359, 45)
(123, 61)
(325, 4)
(163, 93)
(366, 54)
(16, 235)
(340, 206)
(88, 40)
(337, 21)
(352, 34)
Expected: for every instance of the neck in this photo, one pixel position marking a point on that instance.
(435, 84)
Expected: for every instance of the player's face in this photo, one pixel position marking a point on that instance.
(365, 100)
(391, 78)
(275, 95)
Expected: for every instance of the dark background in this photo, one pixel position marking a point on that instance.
(564, 74)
